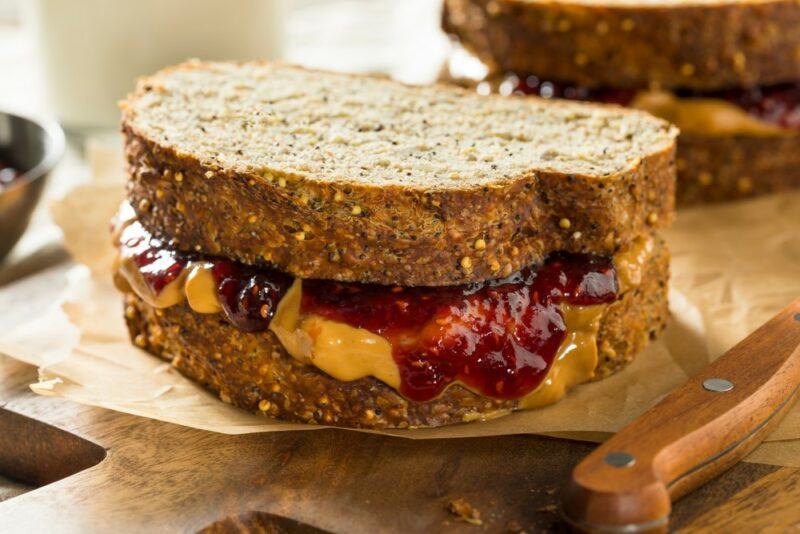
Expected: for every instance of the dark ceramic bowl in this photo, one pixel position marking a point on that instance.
(33, 148)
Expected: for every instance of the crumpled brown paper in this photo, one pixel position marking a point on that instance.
(734, 267)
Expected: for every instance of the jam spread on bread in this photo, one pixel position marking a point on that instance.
(7, 175)
(777, 104)
(158, 265)
(497, 337)
(249, 295)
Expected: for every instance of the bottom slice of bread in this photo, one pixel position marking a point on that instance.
(254, 372)
(712, 169)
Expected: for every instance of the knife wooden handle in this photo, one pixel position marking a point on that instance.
(696, 432)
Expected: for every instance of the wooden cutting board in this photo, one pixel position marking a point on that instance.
(75, 468)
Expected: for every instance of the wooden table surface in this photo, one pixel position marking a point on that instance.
(65, 467)
(93, 470)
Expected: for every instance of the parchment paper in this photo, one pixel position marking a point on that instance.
(733, 267)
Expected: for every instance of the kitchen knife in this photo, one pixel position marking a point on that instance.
(698, 431)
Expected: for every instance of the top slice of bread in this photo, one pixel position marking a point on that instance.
(693, 44)
(360, 178)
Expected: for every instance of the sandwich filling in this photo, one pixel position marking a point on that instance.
(759, 111)
(527, 337)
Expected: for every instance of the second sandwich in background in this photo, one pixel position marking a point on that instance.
(727, 73)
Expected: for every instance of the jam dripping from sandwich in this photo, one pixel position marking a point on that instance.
(497, 337)
(777, 104)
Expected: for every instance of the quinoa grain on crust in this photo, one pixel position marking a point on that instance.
(253, 372)
(405, 190)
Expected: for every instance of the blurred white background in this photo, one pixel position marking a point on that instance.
(400, 38)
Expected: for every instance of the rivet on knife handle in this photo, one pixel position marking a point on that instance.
(695, 433)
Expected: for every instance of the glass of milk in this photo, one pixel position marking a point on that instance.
(92, 51)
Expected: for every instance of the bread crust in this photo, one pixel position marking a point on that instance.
(253, 371)
(403, 236)
(714, 169)
(700, 46)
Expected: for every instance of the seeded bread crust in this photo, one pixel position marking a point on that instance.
(253, 372)
(364, 230)
(714, 169)
(700, 45)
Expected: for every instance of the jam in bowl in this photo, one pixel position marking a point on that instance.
(28, 152)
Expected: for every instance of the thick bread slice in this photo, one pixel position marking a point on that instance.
(360, 178)
(253, 371)
(697, 44)
(712, 169)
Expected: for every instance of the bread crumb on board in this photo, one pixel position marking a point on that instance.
(465, 511)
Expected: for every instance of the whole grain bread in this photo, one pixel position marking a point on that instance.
(359, 178)
(254, 372)
(714, 169)
(697, 44)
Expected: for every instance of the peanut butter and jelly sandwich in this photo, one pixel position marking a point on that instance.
(348, 250)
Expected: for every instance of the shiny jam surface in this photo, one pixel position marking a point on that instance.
(249, 295)
(778, 104)
(498, 337)
(158, 264)
(7, 175)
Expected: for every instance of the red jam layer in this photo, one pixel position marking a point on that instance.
(7, 175)
(249, 295)
(498, 337)
(778, 104)
(158, 264)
